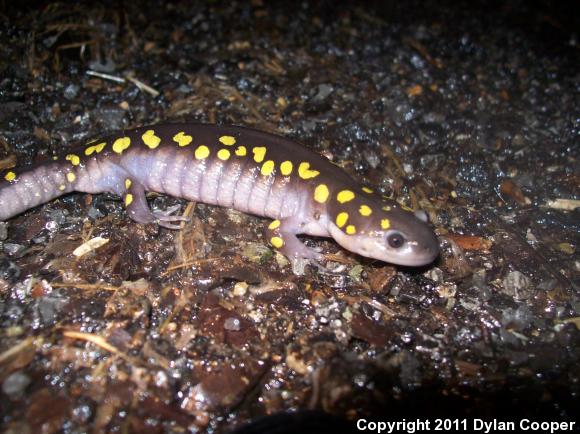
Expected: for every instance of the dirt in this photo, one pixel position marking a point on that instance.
(469, 111)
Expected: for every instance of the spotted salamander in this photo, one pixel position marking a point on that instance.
(245, 169)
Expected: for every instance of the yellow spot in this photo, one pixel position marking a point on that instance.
(367, 190)
(241, 151)
(321, 193)
(128, 199)
(55, 157)
(385, 223)
(386, 208)
(286, 168)
(228, 140)
(201, 152)
(182, 139)
(62, 187)
(267, 168)
(74, 159)
(274, 225)
(365, 210)
(305, 173)
(223, 154)
(341, 219)
(70, 177)
(150, 139)
(128, 183)
(121, 144)
(95, 148)
(10, 176)
(277, 242)
(345, 196)
(259, 154)
(351, 230)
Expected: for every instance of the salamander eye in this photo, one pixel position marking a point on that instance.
(396, 240)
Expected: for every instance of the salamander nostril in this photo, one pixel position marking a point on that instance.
(422, 215)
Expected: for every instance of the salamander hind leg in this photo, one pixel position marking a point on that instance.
(282, 235)
(138, 208)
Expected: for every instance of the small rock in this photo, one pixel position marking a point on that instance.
(49, 309)
(518, 285)
(58, 216)
(232, 324)
(71, 91)
(13, 249)
(3, 231)
(8, 270)
(324, 90)
(240, 289)
(15, 384)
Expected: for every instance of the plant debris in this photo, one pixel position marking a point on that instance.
(466, 111)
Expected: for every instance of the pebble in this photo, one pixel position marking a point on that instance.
(15, 384)
(518, 285)
(232, 324)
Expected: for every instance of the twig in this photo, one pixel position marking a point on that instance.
(101, 342)
(142, 86)
(20, 346)
(104, 76)
(85, 286)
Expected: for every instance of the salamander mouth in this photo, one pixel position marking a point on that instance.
(415, 260)
(414, 256)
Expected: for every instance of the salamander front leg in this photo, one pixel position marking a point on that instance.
(138, 208)
(282, 235)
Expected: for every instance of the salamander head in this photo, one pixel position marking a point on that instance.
(384, 231)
